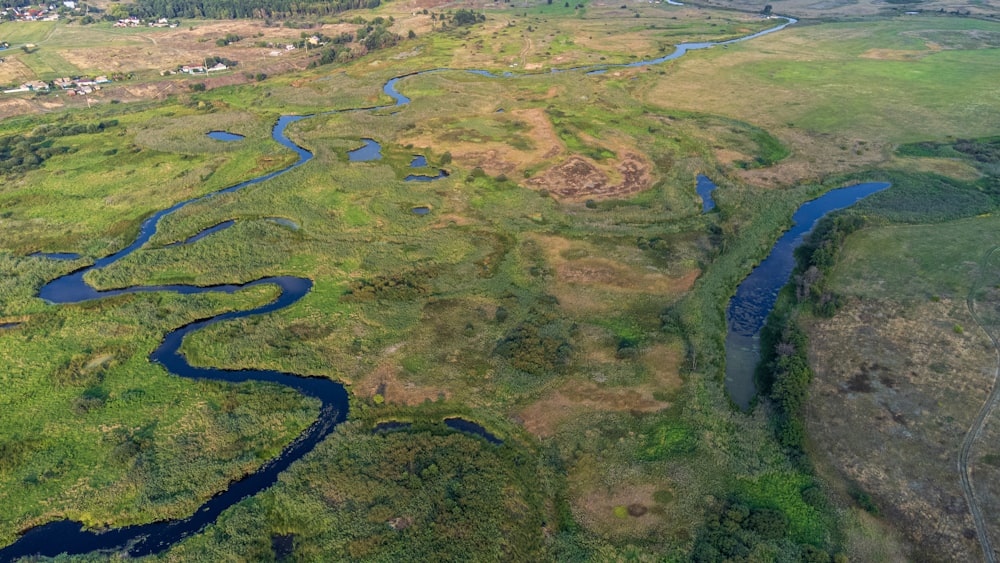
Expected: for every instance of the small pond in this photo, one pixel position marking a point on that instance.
(370, 151)
(472, 428)
(225, 136)
(705, 187)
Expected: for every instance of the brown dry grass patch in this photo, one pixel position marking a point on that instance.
(543, 417)
(894, 393)
(578, 178)
(594, 508)
(816, 155)
(952, 167)
(386, 380)
(496, 157)
(595, 271)
(894, 54)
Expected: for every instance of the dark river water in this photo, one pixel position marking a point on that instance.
(757, 294)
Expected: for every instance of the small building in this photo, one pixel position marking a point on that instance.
(65, 83)
(36, 85)
(217, 67)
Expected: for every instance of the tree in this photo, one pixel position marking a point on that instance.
(766, 11)
(118, 11)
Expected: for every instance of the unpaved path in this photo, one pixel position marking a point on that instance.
(977, 427)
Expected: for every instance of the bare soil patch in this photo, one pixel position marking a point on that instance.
(595, 509)
(895, 391)
(386, 380)
(578, 178)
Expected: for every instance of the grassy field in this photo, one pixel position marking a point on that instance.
(920, 369)
(564, 290)
(844, 94)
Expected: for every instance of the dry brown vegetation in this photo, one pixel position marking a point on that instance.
(495, 156)
(895, 391)
(574, 397)
(578, 178)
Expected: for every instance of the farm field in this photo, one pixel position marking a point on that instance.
(559, 285)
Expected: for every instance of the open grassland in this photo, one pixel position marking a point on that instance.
(854, 10)
(63, 48)
(842, 95)
(919, 369)
(564, 290)
(89, 200)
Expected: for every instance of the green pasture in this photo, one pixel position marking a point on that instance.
(19, 33)
(896, 80)
(917, 262)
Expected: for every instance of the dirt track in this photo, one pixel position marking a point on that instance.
(976, 429)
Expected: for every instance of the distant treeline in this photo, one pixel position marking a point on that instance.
(20, 153)
(231, 9)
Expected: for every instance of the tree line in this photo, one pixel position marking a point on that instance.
(232, 9)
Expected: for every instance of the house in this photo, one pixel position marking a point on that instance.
(71, 4)
(102, 80)
(218, 67)
(65, 83)
(198, 69)
(36, 85)
(314, 40)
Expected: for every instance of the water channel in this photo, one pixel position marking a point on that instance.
(756, 295)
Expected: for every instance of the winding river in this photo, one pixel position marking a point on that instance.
(70, 537)
(756, 295)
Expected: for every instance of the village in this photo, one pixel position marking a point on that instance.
(72, 86)
(51, 12)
